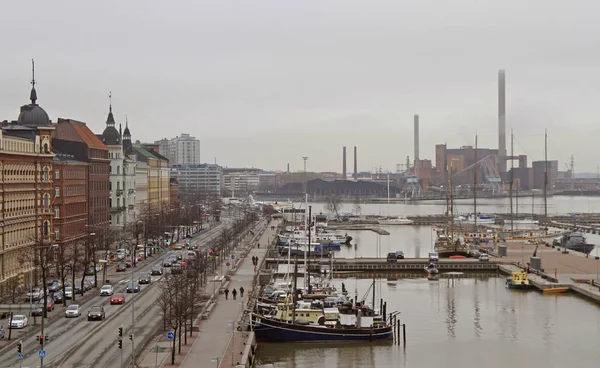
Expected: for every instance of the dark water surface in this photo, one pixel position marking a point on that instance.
(462, 322)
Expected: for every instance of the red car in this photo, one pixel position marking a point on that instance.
(117, 298)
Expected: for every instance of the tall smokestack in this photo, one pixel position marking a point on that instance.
(355, 165)
(416, 144)
(288, 168)
(344, 163)
(502, 120)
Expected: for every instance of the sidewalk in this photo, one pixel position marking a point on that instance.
(214, 336)
(215, 333)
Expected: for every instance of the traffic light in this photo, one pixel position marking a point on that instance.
(120, 331)
(120, 344)
(131, 337)
(20, 347)
(41, 338)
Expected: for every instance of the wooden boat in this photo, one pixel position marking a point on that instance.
(555, 290)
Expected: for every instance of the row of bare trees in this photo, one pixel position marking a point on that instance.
(181, 295)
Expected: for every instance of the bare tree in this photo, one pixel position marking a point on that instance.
(357, 208)
(333, 204)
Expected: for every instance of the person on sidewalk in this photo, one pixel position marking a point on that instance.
(242, 291)
(258, 245)
(234, 293)
(226, 293)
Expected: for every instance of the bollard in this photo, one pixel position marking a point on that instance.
(404, 333)
(398, 332)
(394, 326)
(381, 308)
(384, 310)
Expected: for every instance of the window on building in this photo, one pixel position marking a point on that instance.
(46, 174)
(56, 212)
(118, 185)
(46, 229)
(118, 170)
(118, 202)
(110, 185)
(56, 192)
(46, 201)
(57, 174)
(118, 219)
(110, 202)
(56, 234)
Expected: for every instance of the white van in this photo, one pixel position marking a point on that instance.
(434, 257)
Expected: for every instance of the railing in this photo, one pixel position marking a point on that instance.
(119, 192)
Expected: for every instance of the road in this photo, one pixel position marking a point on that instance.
(85, 341)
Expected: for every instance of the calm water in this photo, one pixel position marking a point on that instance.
(463, 322)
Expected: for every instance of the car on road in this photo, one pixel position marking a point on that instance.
(484, 257)
(434, 257)
(117, 298)
(106, 290)
(133, 287)
(156, 271)
(96, 313)
(121, 267)
(37, 310)
(18, 321)
(178, 246)
(167, 262)
(179, 256)
(391, 257)
(73, 310)
(58, 296)
(128, 262)
(176, 269)
(144, 278)
(49, 304)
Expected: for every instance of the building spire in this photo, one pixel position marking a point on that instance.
(33, 94)
(110, 101)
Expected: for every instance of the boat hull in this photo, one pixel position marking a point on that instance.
(520, 286)
(583, 248)
(271, 330)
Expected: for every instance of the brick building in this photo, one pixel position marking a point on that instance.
(76, 138)
(70, 201)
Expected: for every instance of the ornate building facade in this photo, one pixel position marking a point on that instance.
(26, 193)
(159, 188)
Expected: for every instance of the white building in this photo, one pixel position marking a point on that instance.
(241, 183)
(203, 179)
(182, 150)
(122, 174)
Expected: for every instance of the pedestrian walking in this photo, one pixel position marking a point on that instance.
(226, 293)
(234, 293)
(258, 245)
(242, 291)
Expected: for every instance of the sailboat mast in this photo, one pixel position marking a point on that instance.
(475, 185)
(512, 173)
(451, 205)
(307, 246)
(545, 174)
(307, 262)
(532, 202)
(388, 193)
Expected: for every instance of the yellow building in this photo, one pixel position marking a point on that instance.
(158, 183)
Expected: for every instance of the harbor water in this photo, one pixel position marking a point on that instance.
(461, 321)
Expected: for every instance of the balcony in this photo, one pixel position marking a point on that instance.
(115, 209)
(119, 192)
(131, 207)
(131, 191)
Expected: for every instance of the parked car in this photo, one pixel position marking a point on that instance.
(484, 257)
(90, 283)
(176, 269)
(77, 288)
(18, 321)
(128, 262)
(399, 254)
(37, 310)
(391, 257)
(69, 292)
(121, 267)
(133, 287)
(90, 271)
(434, 257)
(53, 287)
(156, 271)
(107, 290)
(35, 294)
(49, 304)
(117, 298)
(96, 313)
(73, 310)
(144, 278)
(58, 296)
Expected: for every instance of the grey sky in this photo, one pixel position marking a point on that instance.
(265, 82)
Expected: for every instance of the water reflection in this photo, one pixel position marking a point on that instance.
(445, 327)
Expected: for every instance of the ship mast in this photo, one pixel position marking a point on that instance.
(475, 186)
(512, 173)
(451, 206)
(545, 174)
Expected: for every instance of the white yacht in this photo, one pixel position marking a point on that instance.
(395, 221)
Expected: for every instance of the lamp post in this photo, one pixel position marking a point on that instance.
(44, 304)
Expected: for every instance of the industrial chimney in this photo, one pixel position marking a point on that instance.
(344, 164)
(355, 176)
(416, 120)
(502, 120)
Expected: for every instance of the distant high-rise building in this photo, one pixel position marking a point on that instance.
(199, 180)
(181, 150)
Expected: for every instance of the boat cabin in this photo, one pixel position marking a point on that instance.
(518, 278)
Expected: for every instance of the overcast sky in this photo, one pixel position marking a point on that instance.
(264, 82)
